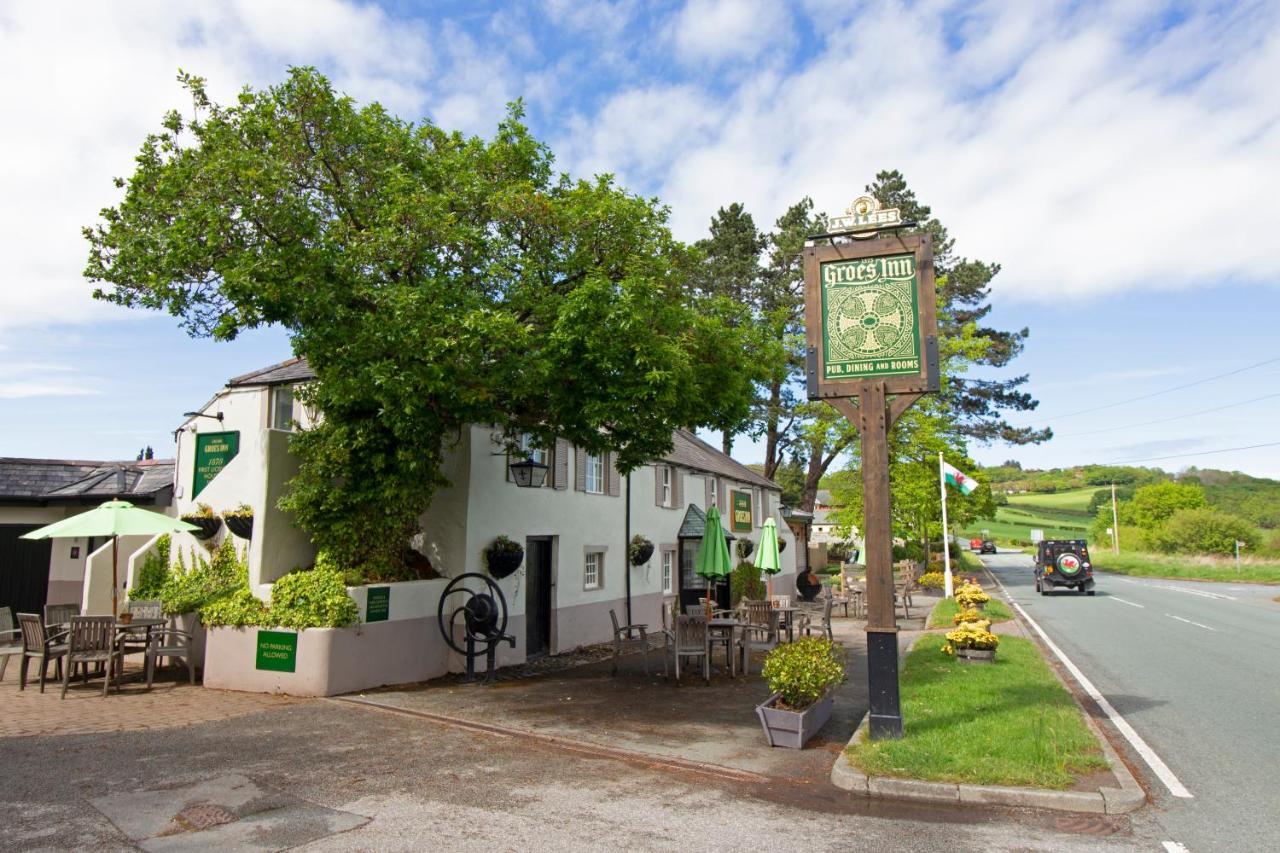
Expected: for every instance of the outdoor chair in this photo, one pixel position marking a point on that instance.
(170, 643)
(10, 639)
(902, 588)
(669, 615)
(132, 642)
(759, 631)
(92, 639)
(691, 641)
(628, 639)
(58, 615)
(818, 619)
(41, 646)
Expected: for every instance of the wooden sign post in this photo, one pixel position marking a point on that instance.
(871, 324)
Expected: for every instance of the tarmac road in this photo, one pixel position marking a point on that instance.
(1195, 669)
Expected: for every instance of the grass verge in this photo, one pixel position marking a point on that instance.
(1007, 723)
(944, 610)
(1187, 568)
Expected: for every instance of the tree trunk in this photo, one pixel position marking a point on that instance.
(726, 443)
(771, 460)
(812, 476)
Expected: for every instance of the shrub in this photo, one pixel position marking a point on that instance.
(1203, 531)
(312, 599)
(189, 590)
(745, 582)
(239, 609)
(154, 572)
(931, 580)
(803, 671)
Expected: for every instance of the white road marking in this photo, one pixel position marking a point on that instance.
(1123, 601)
(1198, 592)
(1175, 847)
(1139, 745)
(1189, 622)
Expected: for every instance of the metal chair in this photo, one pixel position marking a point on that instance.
(691, 641)
(42, 646)
(92, 639)
(628, 639)
(10, 639)
(170, 643)
(759, 630)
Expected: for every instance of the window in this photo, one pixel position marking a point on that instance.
(593, 570)
(595, 474)
(666, 485)
(668, 573)
(282, 407)
(537, 454)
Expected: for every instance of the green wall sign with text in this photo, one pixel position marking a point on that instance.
(378, 607)
(213, 451)
(870, 318)
(278, 651)
(740, 503)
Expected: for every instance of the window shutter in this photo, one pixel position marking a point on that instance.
(724, 497)
(611, 479)
(657, 483)
(506, 468)
(677, 487)
(579, 470)
(706, 488)
(560, 479)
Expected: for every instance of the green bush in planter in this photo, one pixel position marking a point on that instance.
(312, 599)
(745, 582)
(189, 589)
(154, 572)
(239, 609)
(803, 671)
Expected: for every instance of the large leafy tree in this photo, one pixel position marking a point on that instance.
(432, 280)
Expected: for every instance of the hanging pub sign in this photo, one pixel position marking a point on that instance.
(870, 310)
(213, 451)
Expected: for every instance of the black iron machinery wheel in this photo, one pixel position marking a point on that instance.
(483, 612)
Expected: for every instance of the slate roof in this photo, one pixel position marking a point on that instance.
(82, 481)
(692, 452)
(286, 372)
(694, 525)
(688, 450)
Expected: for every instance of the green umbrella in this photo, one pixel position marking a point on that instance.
(713, 560)
(768, 560)
(114, 519)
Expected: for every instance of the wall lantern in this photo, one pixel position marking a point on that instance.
(217, 417)
(528, 474)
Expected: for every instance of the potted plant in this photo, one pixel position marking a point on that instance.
(782, 544)
(970, 596)
(972, 642)
(744, 548)
(503, 557)
(800, 676)
(240, 521)
(203, 518)
(640, 551)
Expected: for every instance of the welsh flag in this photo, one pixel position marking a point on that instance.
(957, 478)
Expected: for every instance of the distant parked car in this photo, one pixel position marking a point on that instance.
(986, 546)
(975, 544)
(1064, 563)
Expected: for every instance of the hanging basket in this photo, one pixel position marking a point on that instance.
(641, 553)
(240, 525)
(207, 525)
(504, 563)
(782, 545)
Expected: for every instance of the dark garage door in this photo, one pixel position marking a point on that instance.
(24, 569)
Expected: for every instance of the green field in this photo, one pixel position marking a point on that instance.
(1075, 499)
(1187, 568)
(1061, 515)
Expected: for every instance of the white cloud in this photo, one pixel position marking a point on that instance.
(714, 31)
(47, 388)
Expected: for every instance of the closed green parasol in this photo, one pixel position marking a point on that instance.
(114, 519)
(713, 560)
(768, 560)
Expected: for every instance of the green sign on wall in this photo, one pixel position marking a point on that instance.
(378, 606)
(741, 507)
(213, 451)
(278, 651)
(870, 317)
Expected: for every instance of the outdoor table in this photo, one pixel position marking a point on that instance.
(720, 629)
(137, 624)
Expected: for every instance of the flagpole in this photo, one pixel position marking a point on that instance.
(946, 546)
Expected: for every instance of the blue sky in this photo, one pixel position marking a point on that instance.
(1121, 160)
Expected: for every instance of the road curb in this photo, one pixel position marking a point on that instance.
(1106, 800)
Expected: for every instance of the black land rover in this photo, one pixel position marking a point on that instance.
(1065, 563)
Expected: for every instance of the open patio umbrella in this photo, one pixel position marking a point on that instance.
(114, 519)
(768, 560)
(713, 560)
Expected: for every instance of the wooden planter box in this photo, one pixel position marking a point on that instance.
(976, 655)
(793, 728)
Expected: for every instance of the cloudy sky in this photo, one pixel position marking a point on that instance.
(1120, 159)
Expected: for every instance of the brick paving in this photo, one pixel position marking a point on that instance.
(170, 702)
